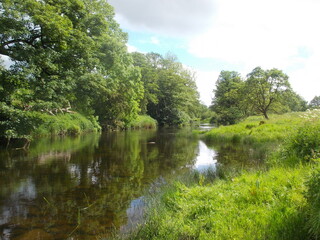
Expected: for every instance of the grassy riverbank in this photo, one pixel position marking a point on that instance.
(25, 125)
(280, 202)
(257, 129)
(28, 124)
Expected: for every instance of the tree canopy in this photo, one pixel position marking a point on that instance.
(227, 100)
(262, 92)
(71, 55)
(170, 93)
(68, 53)
(315, 102)
(265, 88)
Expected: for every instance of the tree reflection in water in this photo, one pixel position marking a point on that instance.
(88, 185)
(91, 185)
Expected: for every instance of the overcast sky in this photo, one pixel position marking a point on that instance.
(214, 35)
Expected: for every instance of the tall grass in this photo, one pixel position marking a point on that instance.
(252, 206)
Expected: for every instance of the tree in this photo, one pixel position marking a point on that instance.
(68, 52)
(294, 102)
(265, 89)
(227, 102)
(315, 102)
(170, 93)
(149, 78)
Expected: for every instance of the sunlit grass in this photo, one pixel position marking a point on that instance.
(261, 205)
(257, 129)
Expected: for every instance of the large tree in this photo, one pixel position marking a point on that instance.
(67, 52)
(265, 89)
(170, 94)
(149, 78)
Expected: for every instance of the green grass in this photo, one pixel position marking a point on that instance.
(257, 129)
(262, 205)
(281, 202)
(144, 122)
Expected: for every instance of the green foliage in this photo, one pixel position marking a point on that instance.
(143, 121)
(16, 123)
(315, 103)
(227, 99)
(293, 102)
(68, 53)
(302, 146)
(306, 143)
(263, 92)
(170, 94)
(266, 88)
(205, 114)
(71, 124)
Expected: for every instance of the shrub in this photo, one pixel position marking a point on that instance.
(301, 147)
(73, 130)
(144, 121)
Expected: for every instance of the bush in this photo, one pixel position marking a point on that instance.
(73, 130)
(144, 121)
(302, 147)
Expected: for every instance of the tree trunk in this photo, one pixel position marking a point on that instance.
(265, 114)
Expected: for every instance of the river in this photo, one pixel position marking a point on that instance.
(88, 186)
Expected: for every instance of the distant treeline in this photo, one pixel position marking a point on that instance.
(71, 56)
(260, 93)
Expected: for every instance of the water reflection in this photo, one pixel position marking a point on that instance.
(206, 126)
(206, 158)
(88, 186)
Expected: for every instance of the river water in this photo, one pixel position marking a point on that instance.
(91, 185)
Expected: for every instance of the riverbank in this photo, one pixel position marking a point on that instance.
(280, 202)
(256, 129)
(22, 126)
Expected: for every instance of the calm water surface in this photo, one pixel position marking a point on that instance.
(88, 186)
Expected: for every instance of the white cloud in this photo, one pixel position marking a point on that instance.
(178, 17)
(205, 81)
(131, 48)
(266, 33)
(248, 33)
(306, 81)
